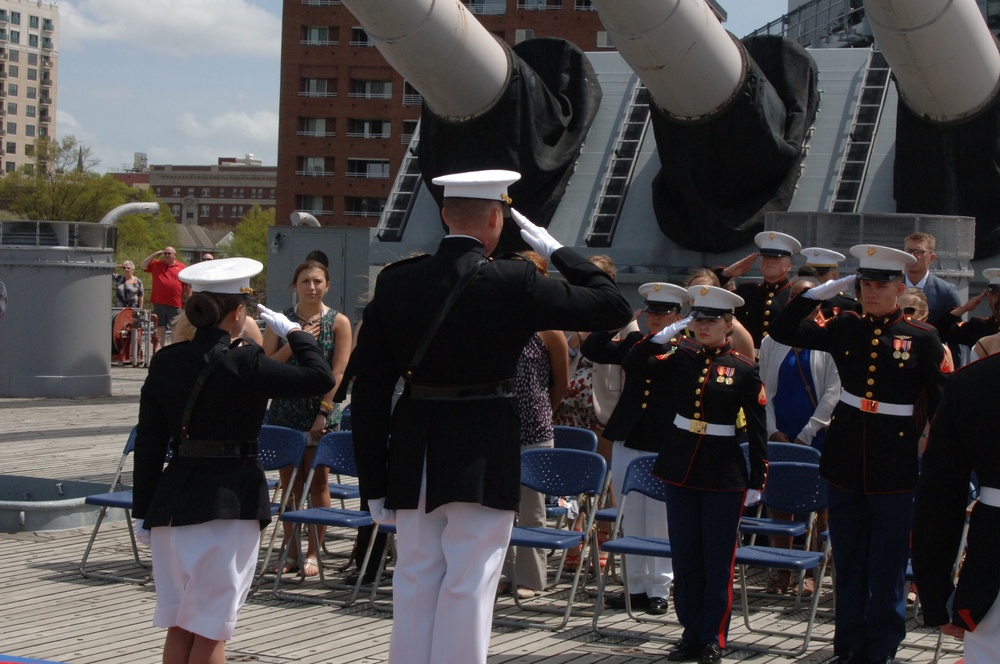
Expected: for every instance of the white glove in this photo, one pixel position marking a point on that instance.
(536, 236)
(671, 331)
(831, 288)
(752, 497)
(380, 514)
(278, 322)
(142, 534)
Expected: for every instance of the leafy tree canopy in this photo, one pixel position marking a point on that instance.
(250, 241)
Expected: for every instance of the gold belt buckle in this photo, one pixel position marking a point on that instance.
(869, 406)
(698, 427)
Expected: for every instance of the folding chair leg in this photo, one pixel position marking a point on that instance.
(135, 554)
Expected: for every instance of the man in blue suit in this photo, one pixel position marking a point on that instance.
(941, 296)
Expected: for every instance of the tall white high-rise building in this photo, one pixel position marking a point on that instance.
(29, 57)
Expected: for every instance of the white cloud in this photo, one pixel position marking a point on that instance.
(238, 125)
(173, 27)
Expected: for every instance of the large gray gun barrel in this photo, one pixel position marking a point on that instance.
(487, 105)
(946, 63)
(730, 118)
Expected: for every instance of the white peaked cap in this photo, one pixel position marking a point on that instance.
(224, 275)
(820, 257)
(993, 274)
(878, 263)
(773, 243)
(659, 291)
(488, 185)
(712, 301)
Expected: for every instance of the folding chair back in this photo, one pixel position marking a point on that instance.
(639, 477)
(574, 438)
(336, 452)
(278, 447)
(794, 487)
(563, 472)
(777, 451)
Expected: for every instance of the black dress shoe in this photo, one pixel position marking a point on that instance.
(710, 654)
(638, 600)
(685, 651)
(657, 606)
(882, 660)
(850, 658)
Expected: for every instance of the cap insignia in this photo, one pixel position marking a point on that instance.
(704, 290)
(772, 236)
(506, 199)
(872, 251)
(657, 287)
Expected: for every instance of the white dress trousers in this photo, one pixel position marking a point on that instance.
(445, 581)
(983, 645)
(642, 517)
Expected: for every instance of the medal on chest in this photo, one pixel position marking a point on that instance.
(901, 348)
(725, 375)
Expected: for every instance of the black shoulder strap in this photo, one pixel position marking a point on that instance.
(213, 356)
(456, 291)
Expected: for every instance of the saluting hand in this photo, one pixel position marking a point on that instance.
(671, 331)
(537, 237)
(830, 288)
(277, 322)
(740, 267)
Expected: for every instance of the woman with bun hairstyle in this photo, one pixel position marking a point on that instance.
(202, 514)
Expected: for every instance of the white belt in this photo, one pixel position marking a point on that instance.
(989, 496)
(704, 428)
(880, 407)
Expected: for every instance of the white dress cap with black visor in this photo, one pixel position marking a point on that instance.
(225, 276)
(663, 298)
(820, 257)
(773, 243)
(712, 301)
(878, 263)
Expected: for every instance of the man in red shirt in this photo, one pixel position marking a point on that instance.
(168, 290)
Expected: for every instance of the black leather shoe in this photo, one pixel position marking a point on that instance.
(881, 660)
(710, 654)
(685, 651)
(639, 601)
(850, 658)
(657, 606)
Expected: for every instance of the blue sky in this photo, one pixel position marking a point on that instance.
(187, 81)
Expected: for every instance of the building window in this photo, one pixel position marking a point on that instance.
(32, 74)
(29, 149)
(310, 204)
(175, 192)
(241, 193)
(43, 132)
(369, 129)
(175, 210)
(317, 87)
(318, 36)
(15, 18)
(365, 89)
(363, 207)
(47, 43)
(15, 37)
(13, 71)
(316, 127)
(487, 7)
(33, 40)
(3, 35)
(314, 166)
(410, 95)
(521, 35)
(33, 22)
(11, 108)
(14, 56)
(33, 59)
(204, 211)
(360, 38)
(271, 194)
(222, 211)
(157, 190)
(12, 89)
(409, 129)
(32, 93)
(222, 192)
(47, 25)
(232, 212)
(9, 167)
(539, 5)
(29, 110)
(29, 130)
(12, 128)
(604, 40)
(3, 15)
(11, 147)
(377, 169)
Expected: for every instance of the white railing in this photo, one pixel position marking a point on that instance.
(315, 174)
(310, 93)
(318, 42)
(412, 100)
(369, 95)
(367, 176)
(352, 213)
(318, 134)
(366, 134)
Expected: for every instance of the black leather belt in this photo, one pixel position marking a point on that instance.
(501, 390)
(219, 449)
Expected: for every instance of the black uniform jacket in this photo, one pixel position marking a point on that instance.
(894, 359)
(954, 330)
(762, 302)
(192, 490)
(688, 380)
(632, 421)
(471, 447)
(963, 441)
(838, 304)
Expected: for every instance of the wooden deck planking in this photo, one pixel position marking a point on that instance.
(50, 612)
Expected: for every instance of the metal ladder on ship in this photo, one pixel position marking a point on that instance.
(861, 137)
(404, 193)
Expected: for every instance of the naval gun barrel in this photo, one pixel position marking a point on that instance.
(526, 108)
(946, 63)
(730, 118)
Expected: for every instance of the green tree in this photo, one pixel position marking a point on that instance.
(250, 241)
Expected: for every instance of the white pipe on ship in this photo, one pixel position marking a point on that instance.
(440, 48)
(690, 64)
(130, 208)
(944, 57)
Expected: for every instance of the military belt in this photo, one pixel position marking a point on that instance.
(501, 390)
(218, 449)
(879, 407)
(704, 428)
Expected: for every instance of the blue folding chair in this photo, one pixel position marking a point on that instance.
(118, 496)
(560, 472)
(574, 438)
(638, 478)
(335, 452)
(277, 448)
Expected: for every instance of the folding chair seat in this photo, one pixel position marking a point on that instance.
(638, 478)
(118, 496)
(335, 452)
(795, 488)
(560, 472)
(277, 448)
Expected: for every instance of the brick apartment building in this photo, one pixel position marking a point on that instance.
(346, 117)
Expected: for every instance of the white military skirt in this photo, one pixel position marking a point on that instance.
(203, 575)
